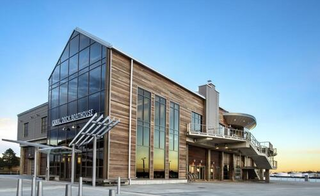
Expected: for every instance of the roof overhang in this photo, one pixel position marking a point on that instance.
(240, 120)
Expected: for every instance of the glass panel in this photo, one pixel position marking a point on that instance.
(73, 65)
(139, 135)
(95, 52)
(94, 102)
(55, 97)
(142, 162)
(74, 45)
(65, 53)
(146, 137)
(162, 115)
(162, 139)
(64, 70)
(83, 104)
(104, 52)
(83, 85)
(176, 142)
(140, 107)
(156, 139)
(72, 107)
(146, 111)
(63, 93)
(102, 100)
(103, 76)
(157, 114)
(53, 137)
(173, 161)
(158, 162)
(84, 41)
(170, 141)
(72, 95)
(56, 74)
(95, 78)
(171, 119)
(84, 58)
(63, 110)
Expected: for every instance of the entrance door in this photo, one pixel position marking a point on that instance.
(65, 167)
(201, 172)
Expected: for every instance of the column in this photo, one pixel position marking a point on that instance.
(221, 166)
(267, 176)
(22, 162)
(208, 164)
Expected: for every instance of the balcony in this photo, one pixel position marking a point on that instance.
(243, 140)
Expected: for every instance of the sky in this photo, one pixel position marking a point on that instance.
(263, 57)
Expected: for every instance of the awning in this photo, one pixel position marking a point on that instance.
(240, 120)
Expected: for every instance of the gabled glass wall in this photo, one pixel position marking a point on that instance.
(77, 84)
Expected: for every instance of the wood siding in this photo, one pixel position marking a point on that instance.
(157, 85)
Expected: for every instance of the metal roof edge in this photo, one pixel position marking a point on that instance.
(32, 109)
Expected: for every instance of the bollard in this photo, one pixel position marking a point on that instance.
(80, 187)
(40, 189)
(112, 192)
(306, 177)
(19, 188)
(33, 186)
(68, 190)
(118, 188)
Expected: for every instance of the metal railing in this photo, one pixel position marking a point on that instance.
(231, 133)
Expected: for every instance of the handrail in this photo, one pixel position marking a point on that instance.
(228, 132)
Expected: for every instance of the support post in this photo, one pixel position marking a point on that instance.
(80, 191)
(111, 192)
(40, 189)
(267, 176)
(19, 188)
(222, 166)
(209, 165)
(119, 184)
(94, 161)
(72, 163)
(35, 162)
(68, 191)
(33, 187)
(48, 167)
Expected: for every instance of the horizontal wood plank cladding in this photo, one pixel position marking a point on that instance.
(197, 155)
(158, 85)
(120, 91)
(120, 97)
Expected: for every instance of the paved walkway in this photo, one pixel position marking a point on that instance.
(276, 188)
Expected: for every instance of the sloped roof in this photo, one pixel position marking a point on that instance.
(110, 46)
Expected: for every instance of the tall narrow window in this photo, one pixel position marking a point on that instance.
(174, 140)
(143, 132)
(159, 137)
(25, 129)
(44, 125)
(196, 122)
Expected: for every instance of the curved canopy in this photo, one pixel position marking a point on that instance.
(240, 120)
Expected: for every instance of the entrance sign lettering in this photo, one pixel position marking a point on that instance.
(72, 117)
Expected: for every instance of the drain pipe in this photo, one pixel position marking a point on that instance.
(130, 116)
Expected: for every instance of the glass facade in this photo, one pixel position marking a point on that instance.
(143, 133)
(159, 137)
(174, 140)
(77, 84)
(196, 122)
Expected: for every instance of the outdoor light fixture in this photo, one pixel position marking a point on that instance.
(225, 146)
(73, 127)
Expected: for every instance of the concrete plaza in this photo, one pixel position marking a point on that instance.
(275, 188)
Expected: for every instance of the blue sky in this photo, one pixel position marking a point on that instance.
(263, 57)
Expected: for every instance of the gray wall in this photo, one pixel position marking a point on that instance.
(33, 117)
(212, 105)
